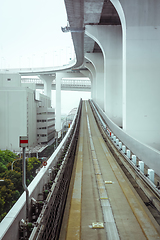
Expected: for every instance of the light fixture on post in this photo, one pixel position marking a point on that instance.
(72, 29)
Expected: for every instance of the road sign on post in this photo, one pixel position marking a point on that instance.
(23, 141)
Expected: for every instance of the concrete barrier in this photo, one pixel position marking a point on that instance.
(150, 156)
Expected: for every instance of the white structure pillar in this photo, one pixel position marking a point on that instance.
(59, 76)
(109, 38)
(47, 79)
(97, 60)
(141, 71)
(91, 68)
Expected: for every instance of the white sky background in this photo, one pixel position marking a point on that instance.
(30, 34)
(69, 99)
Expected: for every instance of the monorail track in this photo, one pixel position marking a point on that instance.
(102, 203)
(142, 183)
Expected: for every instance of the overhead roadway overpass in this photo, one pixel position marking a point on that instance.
(68, 83)
(117, 43)
(117, 46)
(120, 47)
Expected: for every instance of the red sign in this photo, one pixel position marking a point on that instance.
(44, 163)
(23, 141)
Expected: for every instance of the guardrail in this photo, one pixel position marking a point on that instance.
(67, 82)
(143, 177)
(10, 225)
(72, 85)
(148, 155)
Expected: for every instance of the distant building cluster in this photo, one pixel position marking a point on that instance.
(24, 112)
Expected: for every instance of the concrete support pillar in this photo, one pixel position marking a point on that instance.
(109, 39)
(141, 115)
(91, 68)
(98, 85)
(58, 102)
(47, 79)
(91, 78)
(87, 74)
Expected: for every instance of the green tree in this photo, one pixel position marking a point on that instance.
(11, 188)
(15, 177)
(32, 164)
(7, 156)
(2, 202)
(7, 193)
(3, 168)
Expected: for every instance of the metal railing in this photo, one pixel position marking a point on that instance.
(148, 186)
(144, 152)
(31, 80)
(64, 83)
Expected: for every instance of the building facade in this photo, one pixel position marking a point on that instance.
(45, 120)
(21, 112)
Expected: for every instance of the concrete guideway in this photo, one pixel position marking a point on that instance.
(96, 174)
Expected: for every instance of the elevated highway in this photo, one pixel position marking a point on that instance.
(101, 201)
(66, 84)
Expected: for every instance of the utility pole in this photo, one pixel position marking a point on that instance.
(24, 144)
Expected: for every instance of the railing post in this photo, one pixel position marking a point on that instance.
(151, 175)
(134, 159)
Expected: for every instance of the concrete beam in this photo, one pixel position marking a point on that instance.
(97, 60)
(47, 79)
(109, 38)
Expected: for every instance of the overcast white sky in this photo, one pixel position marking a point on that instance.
(30, 33)
(70, 99)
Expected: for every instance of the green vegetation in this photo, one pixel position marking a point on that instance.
(11, 188)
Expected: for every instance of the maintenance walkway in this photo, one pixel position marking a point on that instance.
(102, 203)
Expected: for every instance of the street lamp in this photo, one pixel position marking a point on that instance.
(45, 59)
(29, 63)
(13, 162)
(33, 55)
(20, 62)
